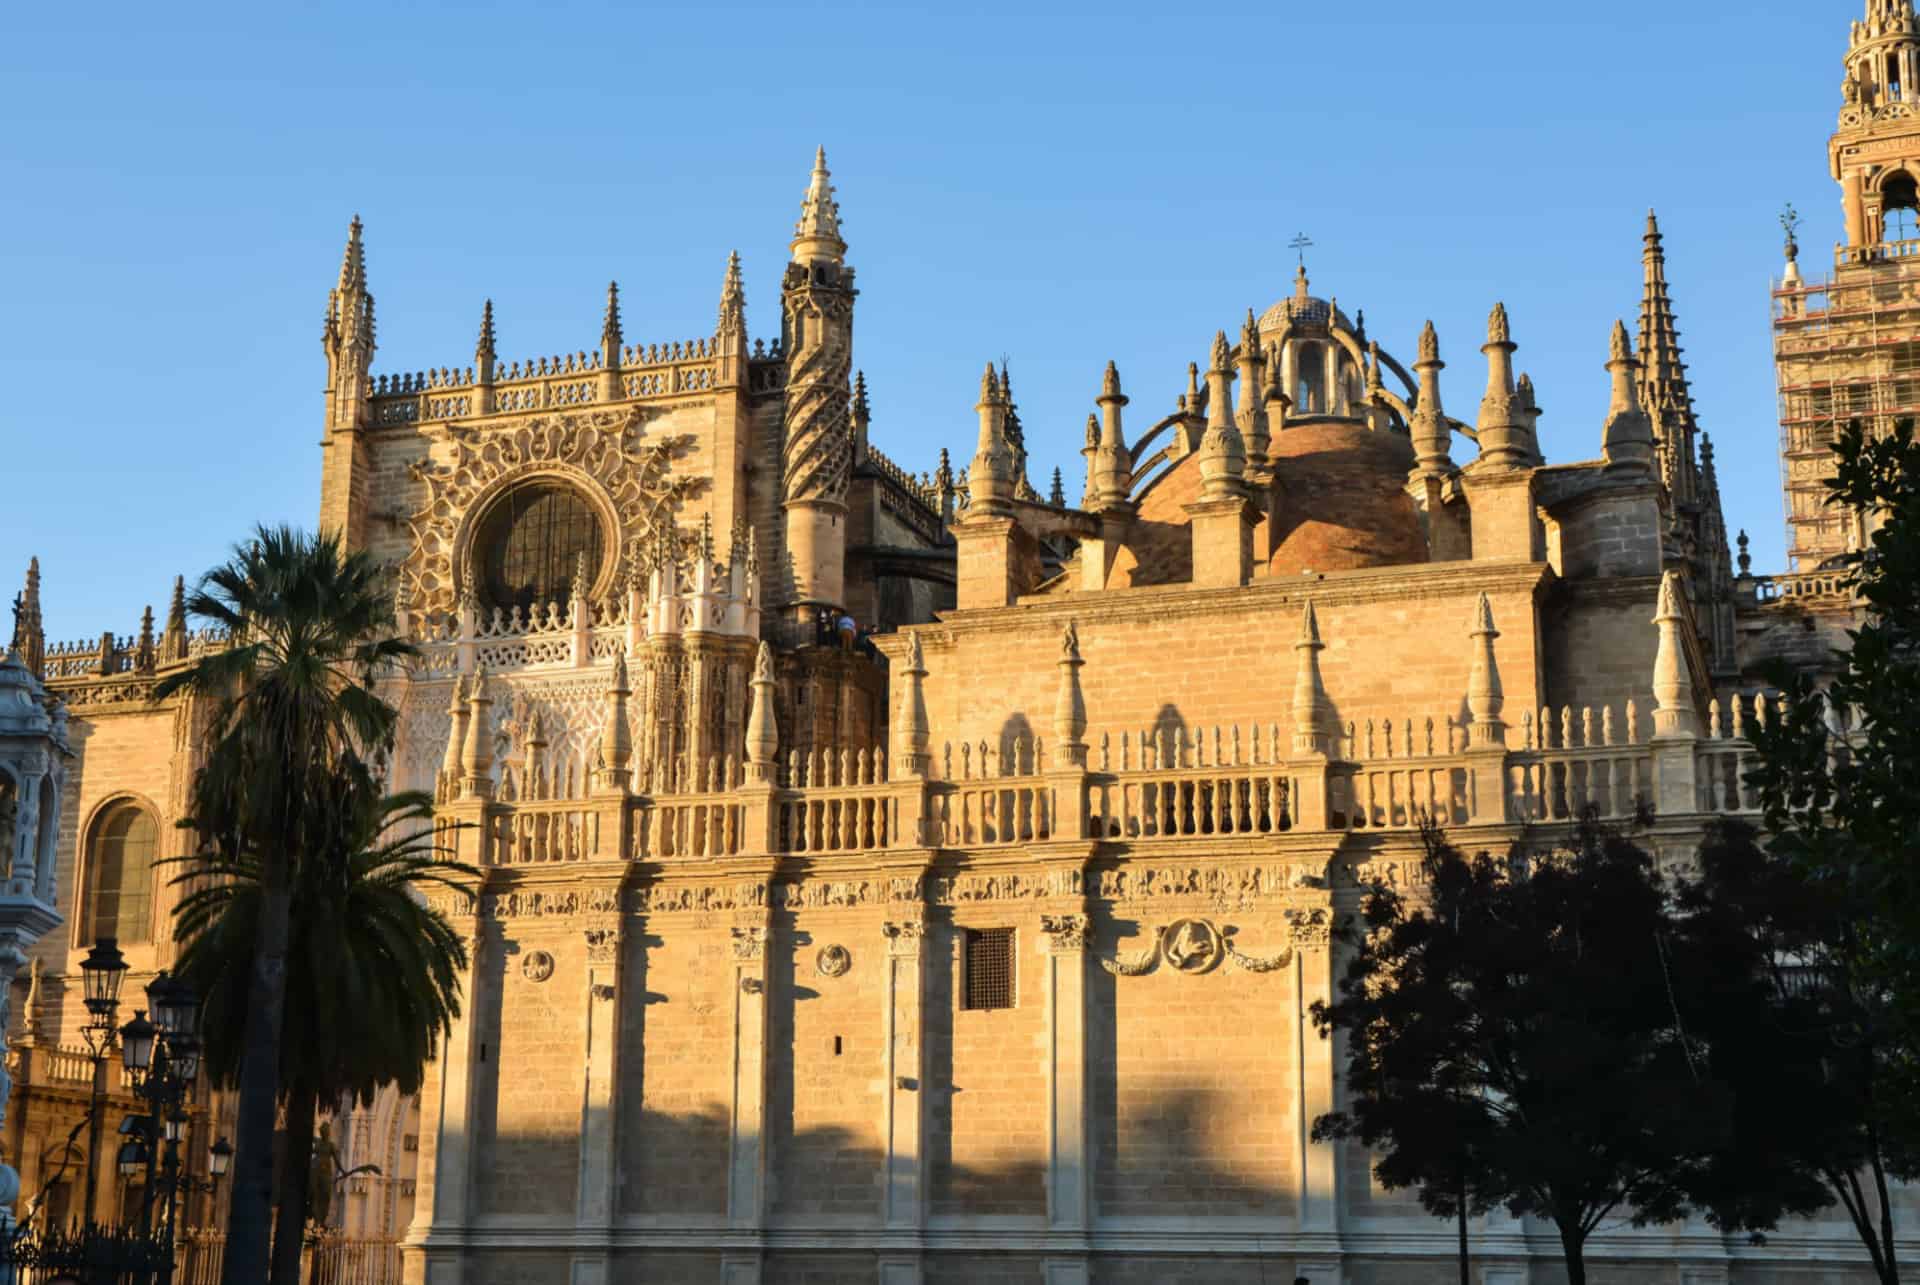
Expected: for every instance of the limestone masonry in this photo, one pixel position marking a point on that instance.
(983, 953)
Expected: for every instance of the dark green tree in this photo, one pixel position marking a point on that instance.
(373, 971)
(1519, 1025)
(1821, 1111)
(291, 699)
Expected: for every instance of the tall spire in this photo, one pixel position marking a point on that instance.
(348, 341)
(1664, 393)
(733, 299)
(353, 264)
(29, 635)
(173, 640)
(816, 238)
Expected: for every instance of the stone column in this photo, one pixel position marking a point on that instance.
(1069, 1167)
(747, 1161)
(599, 1138)
(904, 1123)
(443, 1196)
(1318, 1193)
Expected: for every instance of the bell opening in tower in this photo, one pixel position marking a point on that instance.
(1899, 198)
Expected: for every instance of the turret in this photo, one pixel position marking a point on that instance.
(730, 331)
(817, 457)
(1252, 416)
(1506, 438)
(1627, 442)
(1112, 470)
(1223, 455)
(1431, 433)
(991, 474)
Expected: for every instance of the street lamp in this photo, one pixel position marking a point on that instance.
(133, 1158)
(136, 1045)
(101, 972)
(219, 1158)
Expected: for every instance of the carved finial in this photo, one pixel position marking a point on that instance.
(1193, 388)
(1057, 497)
(1429, 346)
(610, 336)
(1222, 352)
(1746, 559)
(1619, 347)
(483, 350)
(1309, 635)
(1110, 381)
(860, 408)
(1093, 431)
(1070, 641)
(1497, 325)
(763, 663)
(914, 658)
(816, 238)
(989, 386)
(733, 298)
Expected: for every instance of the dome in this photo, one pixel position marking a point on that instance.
(1301, 309)
(1341, 503)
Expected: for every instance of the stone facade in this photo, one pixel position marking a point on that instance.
(984, 953)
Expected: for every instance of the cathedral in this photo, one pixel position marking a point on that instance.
(979, 945)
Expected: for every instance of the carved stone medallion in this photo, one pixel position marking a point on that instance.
(1190, 945)
(833, 961)
(537, 966)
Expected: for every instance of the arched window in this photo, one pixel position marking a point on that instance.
(120, 874)
(530, 541)
(1898, 202)
(1309, 394)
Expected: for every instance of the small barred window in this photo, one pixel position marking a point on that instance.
(987, 969)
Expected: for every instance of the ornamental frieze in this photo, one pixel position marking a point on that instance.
(1225, 885)
(541, 903)
(950, 890)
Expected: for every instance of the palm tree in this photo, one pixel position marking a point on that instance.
(373, 971)
(292, 698)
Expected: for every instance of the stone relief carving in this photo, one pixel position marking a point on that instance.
(537, 966)
(684, 898)
(749, 942)
(1191, 946)
(603, 945)
(1225, 886)
(833, 961)
(541, 903)
(599, 449)
(1312, 927)
(950, 890)
(1065, 932)
(904, 936)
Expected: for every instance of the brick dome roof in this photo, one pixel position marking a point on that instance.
(1339, 499)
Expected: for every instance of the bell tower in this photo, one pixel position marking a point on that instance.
(1875, 153)
(1847, 349)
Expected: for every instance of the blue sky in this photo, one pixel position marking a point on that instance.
(1059, 184)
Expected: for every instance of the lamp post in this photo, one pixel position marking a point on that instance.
(162, 1059)
(101, 972)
